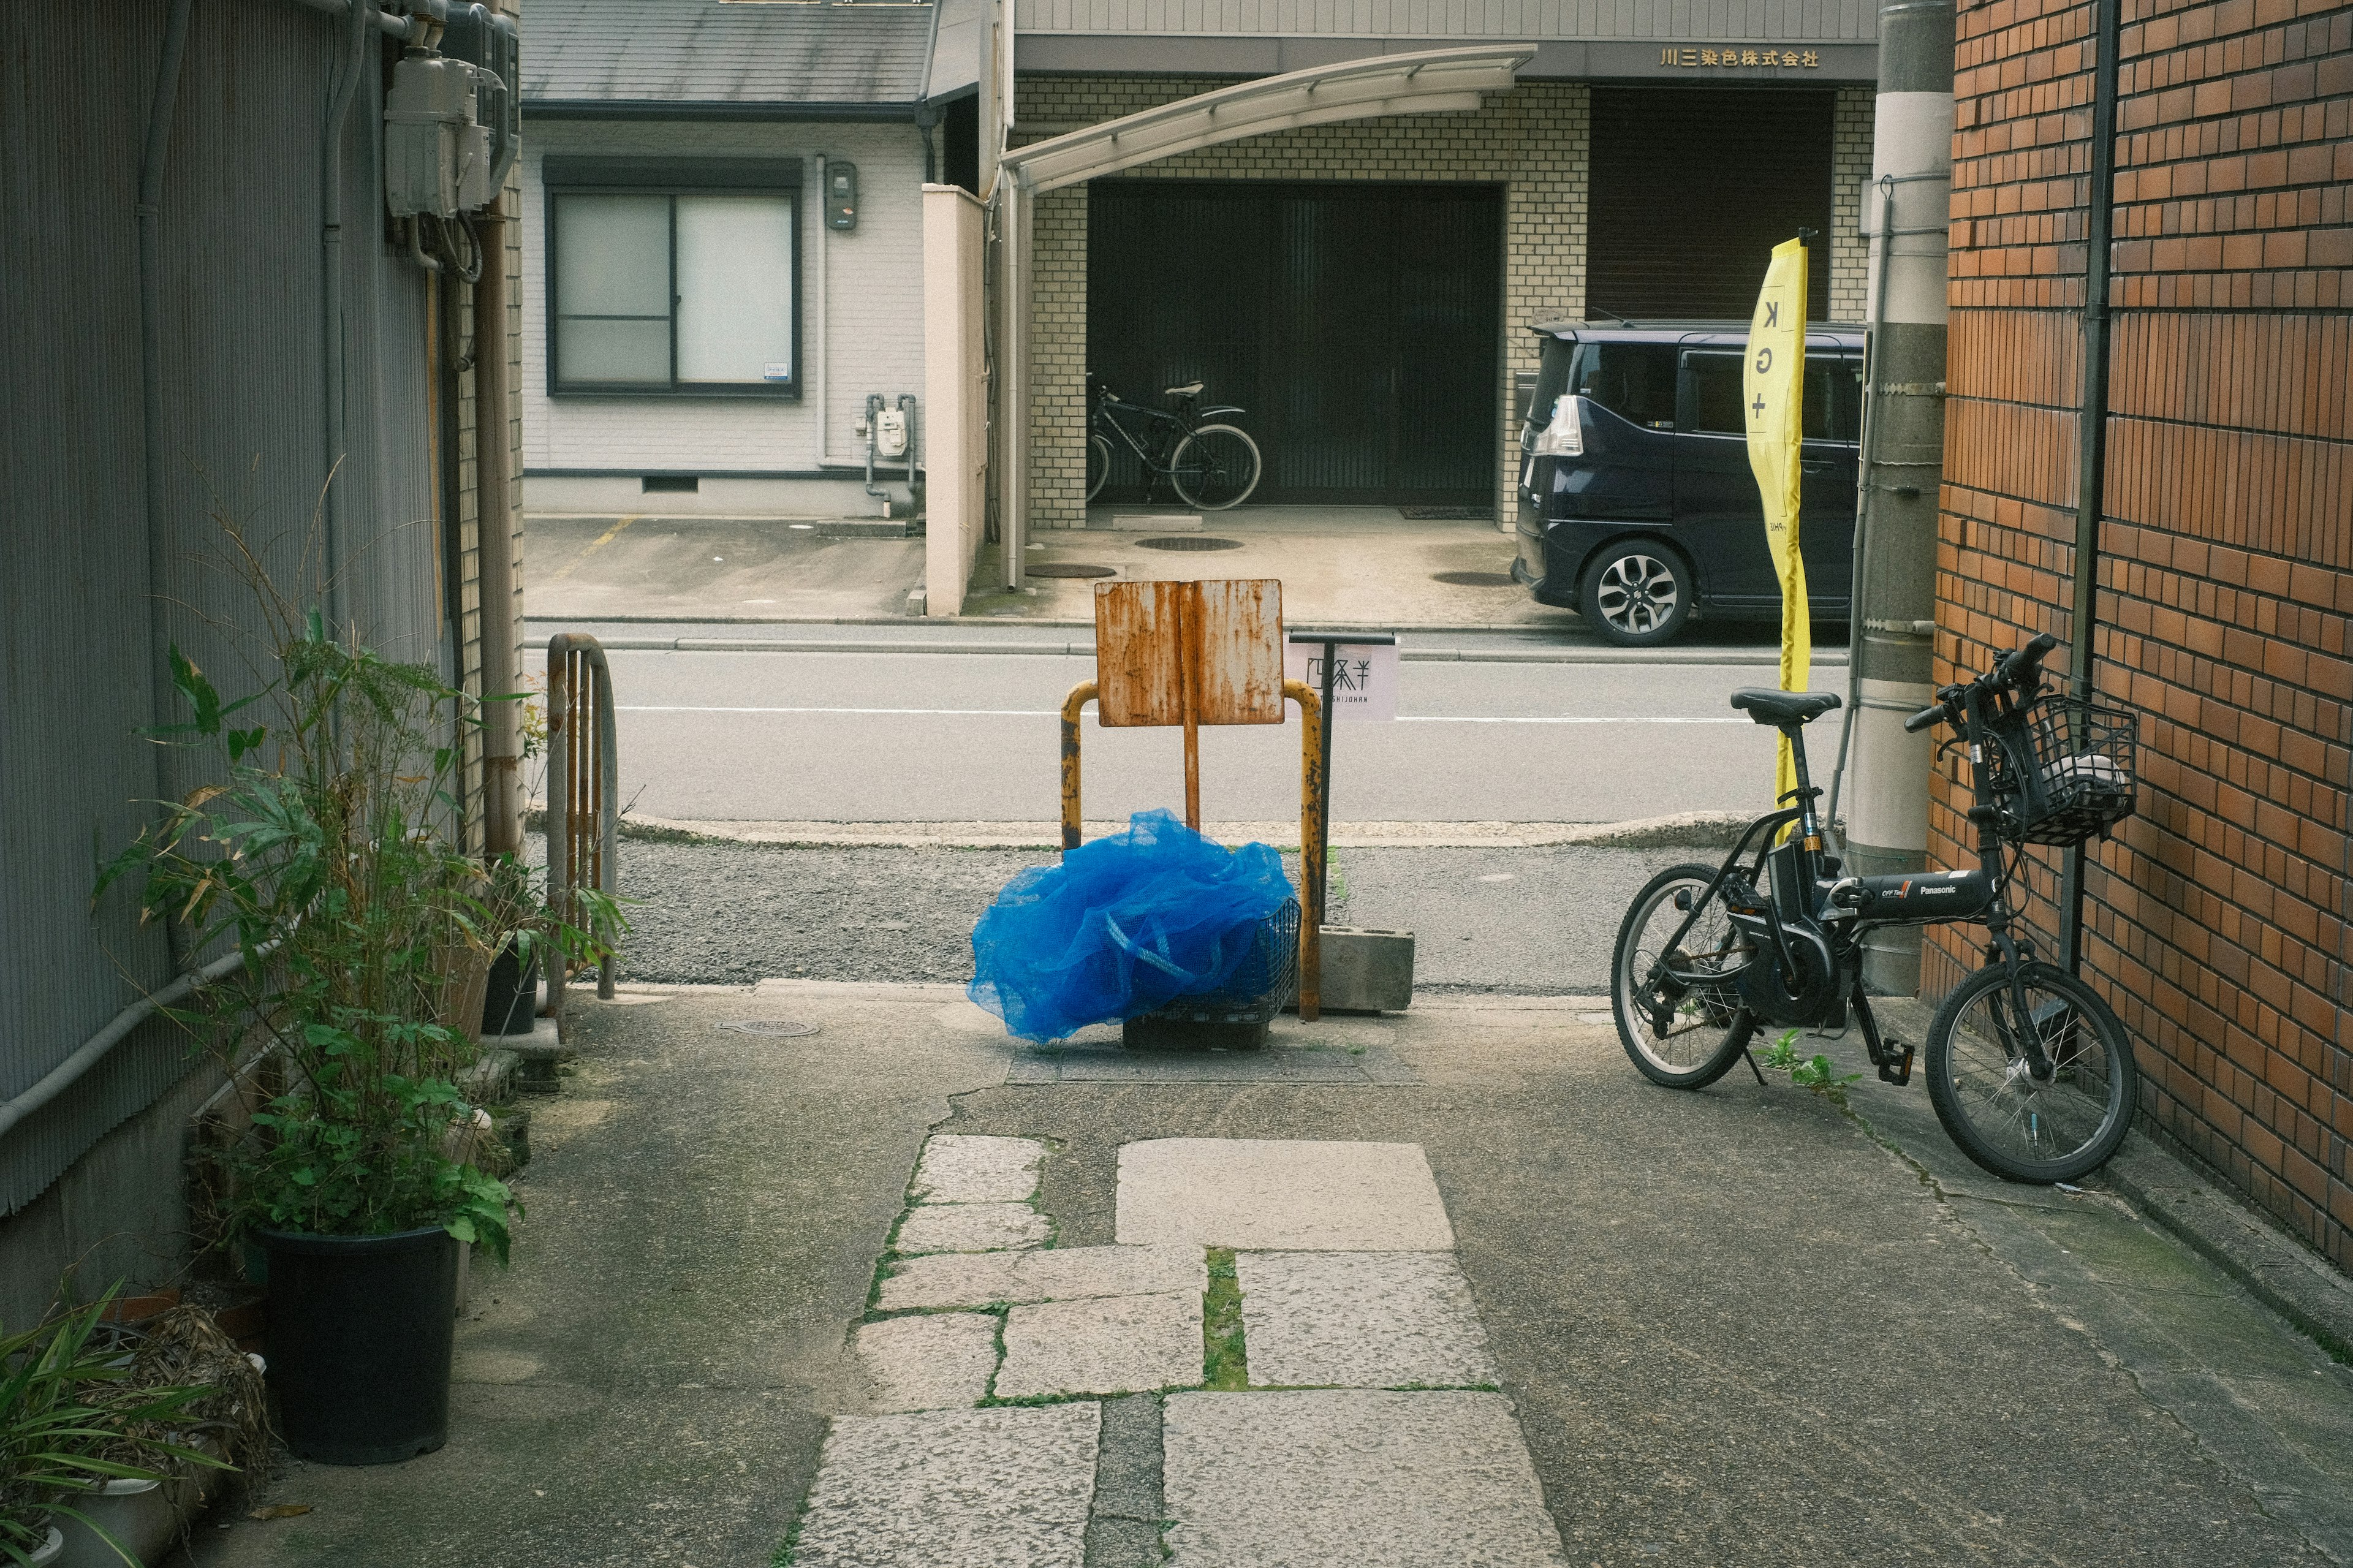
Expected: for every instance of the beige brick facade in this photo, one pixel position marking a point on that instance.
(1534, 141)
(1851, 132)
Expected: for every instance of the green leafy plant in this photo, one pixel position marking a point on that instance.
(70, 1421)
(1816, 1072)
(325, 855)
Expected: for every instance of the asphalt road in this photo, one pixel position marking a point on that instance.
(971, 736)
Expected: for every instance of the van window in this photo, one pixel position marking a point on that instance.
(1716, 393)
(1833, 409)
(1634, 381)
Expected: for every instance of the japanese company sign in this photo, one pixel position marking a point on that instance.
(1364, 676)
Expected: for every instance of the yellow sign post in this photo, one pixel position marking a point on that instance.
(1773, 386)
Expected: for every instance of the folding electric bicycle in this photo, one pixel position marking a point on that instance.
(2031, 1072)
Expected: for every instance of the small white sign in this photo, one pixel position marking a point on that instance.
(777, 372)
(1364, 676)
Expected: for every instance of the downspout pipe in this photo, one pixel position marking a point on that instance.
(2092, 429)
(330, 301)
(150, 211)
(502, 809)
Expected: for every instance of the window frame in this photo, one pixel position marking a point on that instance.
(671, 178)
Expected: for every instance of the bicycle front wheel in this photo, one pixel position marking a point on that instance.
(2049, 1122)
(1678, 1016)
(1214, 468)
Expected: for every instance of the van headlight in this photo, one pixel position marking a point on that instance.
(1565, 436)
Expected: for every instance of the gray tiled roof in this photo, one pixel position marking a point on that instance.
(710, 51)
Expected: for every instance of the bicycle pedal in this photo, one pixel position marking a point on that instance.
(1898, 1073)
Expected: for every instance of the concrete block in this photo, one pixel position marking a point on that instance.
(976, 1489)
(939, 1360)
(969, 1228)
(1362, 1320)
(1279, 1194)
(1108, 1345)
(1049, 1274)
(1366, 970)
(960, 1169)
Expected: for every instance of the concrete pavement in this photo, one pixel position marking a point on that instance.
(1743, 1326)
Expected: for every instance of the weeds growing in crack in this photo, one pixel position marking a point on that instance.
(1225, 1360)
(1816, 1072)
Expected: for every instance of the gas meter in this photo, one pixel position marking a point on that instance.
(890, 433)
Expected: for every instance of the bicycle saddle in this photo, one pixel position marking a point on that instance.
(1768, 706)
(1189, 389)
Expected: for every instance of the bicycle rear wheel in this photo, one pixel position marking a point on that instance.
(1681, 1023)
(1214, 468)
(1982, 1082)
(1098, 464)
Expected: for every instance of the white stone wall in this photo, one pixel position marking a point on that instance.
(861, 312)
(1532, 141)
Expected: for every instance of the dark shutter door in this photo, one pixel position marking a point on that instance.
(1692, 190)
(1358, 324)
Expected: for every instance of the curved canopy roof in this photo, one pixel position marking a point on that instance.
(1423, 83)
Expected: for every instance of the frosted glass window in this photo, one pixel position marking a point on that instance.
(735, 288)
(678, 290)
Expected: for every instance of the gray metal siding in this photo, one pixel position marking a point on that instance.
(1802, 21)
(242, 399)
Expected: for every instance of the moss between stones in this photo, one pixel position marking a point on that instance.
(1225, 1359)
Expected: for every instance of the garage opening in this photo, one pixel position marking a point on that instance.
(1693, 188)
(1357, 323)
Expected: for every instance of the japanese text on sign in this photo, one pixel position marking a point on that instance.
(1364, 676)
(1739, 57)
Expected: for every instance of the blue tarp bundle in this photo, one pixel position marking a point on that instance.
(1123, 926)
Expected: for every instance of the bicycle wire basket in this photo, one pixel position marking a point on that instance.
(2064, 769)
(1259, 989)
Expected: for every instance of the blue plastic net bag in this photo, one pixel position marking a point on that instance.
(1121, 926)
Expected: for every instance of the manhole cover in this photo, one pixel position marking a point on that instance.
(1069, 569)
(1190, 541)
(1447, 513)
(771, 1028)
(1474, 579)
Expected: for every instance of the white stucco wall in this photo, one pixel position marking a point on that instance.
(861, 322)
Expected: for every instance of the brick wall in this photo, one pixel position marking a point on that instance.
(2216, 921)
(1531, 141)
(1851, 137)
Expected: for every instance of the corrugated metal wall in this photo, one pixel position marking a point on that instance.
(87, 599)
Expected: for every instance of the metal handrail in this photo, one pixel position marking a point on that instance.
(582, 783)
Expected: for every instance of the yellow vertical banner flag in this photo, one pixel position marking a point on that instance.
(1773, 386)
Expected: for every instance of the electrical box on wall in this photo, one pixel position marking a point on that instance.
(841, 196)
(486, 41)
(436, 154)
(890, 433)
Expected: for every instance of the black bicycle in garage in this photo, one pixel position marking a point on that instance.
(1208, 462)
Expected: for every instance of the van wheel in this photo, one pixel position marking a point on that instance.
(1636, 595)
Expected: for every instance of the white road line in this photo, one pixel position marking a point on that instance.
(1048, 713)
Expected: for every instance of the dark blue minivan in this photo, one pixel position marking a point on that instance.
(1637, 505)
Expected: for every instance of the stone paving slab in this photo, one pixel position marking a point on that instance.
(961, 1169)
(1105, 1345)
(1050, 1274)
(1112, 1063)
(940, 1361)
(970, 1227)
(1362, 1320)
(1279, 1194)
(954, 1489)
(1370, 1479)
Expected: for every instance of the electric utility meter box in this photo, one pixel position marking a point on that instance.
(841, 196)
(436, 154)
(486, 41)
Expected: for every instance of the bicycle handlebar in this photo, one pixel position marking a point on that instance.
(2012, 669)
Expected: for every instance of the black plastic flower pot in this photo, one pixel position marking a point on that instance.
(512, 999)
(360, 1332)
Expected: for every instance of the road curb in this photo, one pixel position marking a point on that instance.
(1697, 830)
(1738, 657)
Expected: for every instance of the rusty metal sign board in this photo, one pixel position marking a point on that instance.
(1189, 653)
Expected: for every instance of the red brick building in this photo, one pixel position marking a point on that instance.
(2217, 920)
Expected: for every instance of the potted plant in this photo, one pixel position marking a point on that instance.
(512, 901)
(71, 1422)
(326, 855)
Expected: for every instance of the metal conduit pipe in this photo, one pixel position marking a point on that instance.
(63, 1075)
(150, 326)
(330, 297)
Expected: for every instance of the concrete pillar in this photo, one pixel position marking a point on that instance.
(1905, 209)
